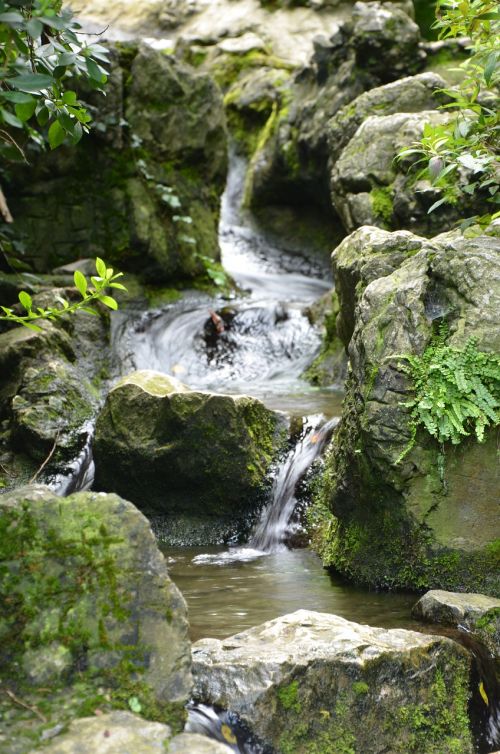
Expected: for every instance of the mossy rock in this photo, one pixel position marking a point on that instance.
(310, 683)
(177, 451)
(90, 616)
(420, 522)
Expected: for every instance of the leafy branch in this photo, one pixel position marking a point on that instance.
(93, 290)
(461, 156)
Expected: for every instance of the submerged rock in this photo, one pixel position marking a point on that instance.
(88, 593)
(474, 612)
(310, 681)
(120, 732)
(413, 522)
(185, 453)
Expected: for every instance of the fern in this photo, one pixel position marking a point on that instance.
(456, 391)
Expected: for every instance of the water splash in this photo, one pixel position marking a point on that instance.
(274, 525)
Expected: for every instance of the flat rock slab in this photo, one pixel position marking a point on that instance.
(308, 679)
(124, 733)
(475, 612)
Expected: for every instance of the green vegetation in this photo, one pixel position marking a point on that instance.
(382, 204)
(461, 156)
(457, 391)
(288, 696)
(105, 278)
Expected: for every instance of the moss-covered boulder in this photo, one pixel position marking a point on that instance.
(310, 682)
(49, 390)
(430, 519)
(119, 732)
(184, 453)
(143, 189)
(476, 613)
(90, 618)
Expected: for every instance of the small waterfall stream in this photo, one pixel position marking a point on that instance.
(274, 525)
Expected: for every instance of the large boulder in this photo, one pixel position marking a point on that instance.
(474, 612)
(119, 732)
(91, 619)
(310, 682)
(143, 189)
(185, 453)
(423, 521)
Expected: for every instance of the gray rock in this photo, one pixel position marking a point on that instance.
(310, 679)
(114, 597)
(398, 523)
(182, 452)
(475, 612)
(121, 732)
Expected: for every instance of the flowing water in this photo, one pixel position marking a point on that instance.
(259, 341)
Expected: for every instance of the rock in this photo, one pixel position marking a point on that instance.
(119, 732)
(411, 94)
(386, 40)
(369, 184)
(305, 681)
(156, 162)
(290, 161)
(474, 612)
(193, 743)
(49, 390)
(405, 523)
(181, 452)
(242, 45)
(115, 609)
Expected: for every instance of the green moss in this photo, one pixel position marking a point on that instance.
(439, 726)
(288, 696)
(327, 734)
(489, 621)
(382, 204)
(360, 688)
(228, 68)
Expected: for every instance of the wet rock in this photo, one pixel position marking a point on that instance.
(192, 743)
(120, 618)
(406, 523)
(180, 452)
(156, 161)
(474, 612)
(308, 679)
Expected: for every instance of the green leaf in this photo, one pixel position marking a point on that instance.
(69, 97)
(80, 282)
(109, 301)
(24, 110)
(95, 72)
(436, 205)
(118, 285)
(34, 27)
(43, 116)
(490, 67)
(25, 300)
(31, 82)
(10, 118)
(17, 97)
(100, 267)
(11, 18)
(56, 135)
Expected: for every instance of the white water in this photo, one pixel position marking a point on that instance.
(275, 524)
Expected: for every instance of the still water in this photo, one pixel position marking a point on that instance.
(228, 591)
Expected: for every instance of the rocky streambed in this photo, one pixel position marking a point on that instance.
(247, 399)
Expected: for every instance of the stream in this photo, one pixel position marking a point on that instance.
(258, 341)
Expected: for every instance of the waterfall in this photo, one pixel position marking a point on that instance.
(274, 525)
